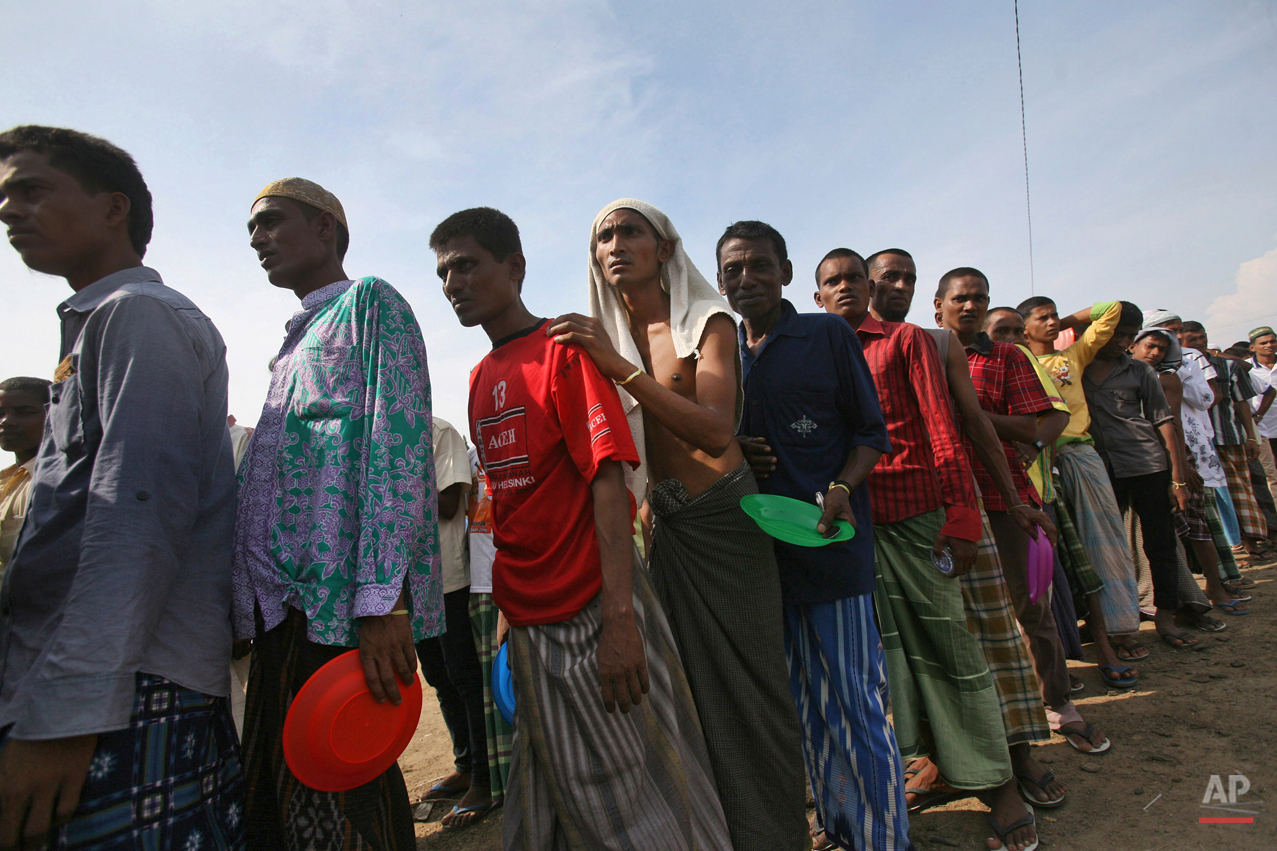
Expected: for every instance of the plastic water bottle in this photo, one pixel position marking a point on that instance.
(944, 561)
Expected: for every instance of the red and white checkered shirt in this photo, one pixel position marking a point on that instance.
(1006, 384)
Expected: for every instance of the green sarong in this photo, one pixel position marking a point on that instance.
(943, 699)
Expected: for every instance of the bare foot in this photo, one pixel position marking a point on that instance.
(1041, 791)
(449, 787)
(1007, 808)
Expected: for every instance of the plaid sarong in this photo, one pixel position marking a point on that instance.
(1215, 525)
(943, 699)
(839, 679)
(171, 779)
(991, 619)
(715, 574)
(583, 778)
(483, 621)
(1087, 497)
(1237, 472)
(281, 811)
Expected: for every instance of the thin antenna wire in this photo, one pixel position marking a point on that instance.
(1024, 136)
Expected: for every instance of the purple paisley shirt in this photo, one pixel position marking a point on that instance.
(337, 502)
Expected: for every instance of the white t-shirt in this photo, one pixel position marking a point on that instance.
(483, 550)
(1262, 377)
(452, 466)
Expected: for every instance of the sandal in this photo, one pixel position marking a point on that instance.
(1206, 623)
(1086, 732)
(932, 797)
(1178, 640)
(1232, 608)
(478, 810)
(1023, 821)
(1023, 778)
(1113, 678)
(1075, 685)
(1132, 652)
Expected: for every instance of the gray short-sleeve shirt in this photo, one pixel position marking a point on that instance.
(1126, 409)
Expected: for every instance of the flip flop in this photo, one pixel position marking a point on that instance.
(928, 798)
(1231, 608)
(1086, 733)
(1178, 640)
(1113, 679)
(1206, 623)
(1021, 778)
(1075, 685)
(1244, 582)
(480, 811)
(440, 792)
(1023, 821)
(1129, 653)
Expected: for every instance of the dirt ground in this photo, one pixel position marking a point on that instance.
(1196, 713)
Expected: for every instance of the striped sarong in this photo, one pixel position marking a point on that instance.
(583, 778)
(1087, 497)
(991, 619)
(715, 574)
(1237, 471)
(839, 679)
(281, 811)
(1223, 551)
(171, 779)
(483, 622)
(943, 699)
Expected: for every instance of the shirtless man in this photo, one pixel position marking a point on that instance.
(668, 339)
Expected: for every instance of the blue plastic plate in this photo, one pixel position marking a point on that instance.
(503, 686)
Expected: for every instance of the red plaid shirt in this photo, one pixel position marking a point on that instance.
(926, 467)
(1006, 384)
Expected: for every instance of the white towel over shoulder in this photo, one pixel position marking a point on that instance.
(693, 300)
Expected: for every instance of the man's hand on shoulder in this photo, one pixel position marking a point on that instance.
(40, 783)
(589, 333)
(386, 649)
(622, 662)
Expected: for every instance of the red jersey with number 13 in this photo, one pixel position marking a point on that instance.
(543, 419)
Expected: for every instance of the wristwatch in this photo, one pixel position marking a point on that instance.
(1039, 446)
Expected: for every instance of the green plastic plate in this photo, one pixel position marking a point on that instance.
(791, 520)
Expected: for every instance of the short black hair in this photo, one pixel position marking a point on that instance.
(38, 387)
(96, 164)
(1194, 327)
(1031, 304)
(491, 228)
(1239, 350)
(1005, 307)
(1132, 316)
(750, 229)
(872, 257)
(838, 253)
(960, 272)
(343, 235)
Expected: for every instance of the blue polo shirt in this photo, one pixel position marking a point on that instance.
(810, 395)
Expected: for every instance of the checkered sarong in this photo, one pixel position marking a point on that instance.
(1237, 471)
(1083, 580)
(171, 779)
(483, 621)
(991, 619)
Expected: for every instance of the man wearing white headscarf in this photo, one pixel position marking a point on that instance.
(668, 339)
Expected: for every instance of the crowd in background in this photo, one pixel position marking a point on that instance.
(1021, 483)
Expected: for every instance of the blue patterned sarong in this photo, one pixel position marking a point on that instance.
(170, 780)
(838, 674)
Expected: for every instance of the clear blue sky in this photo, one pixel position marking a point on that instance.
(1151, 134)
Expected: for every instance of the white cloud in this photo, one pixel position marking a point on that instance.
(1254, 302)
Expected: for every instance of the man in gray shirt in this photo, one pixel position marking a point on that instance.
(1132, 426)
(115, 610)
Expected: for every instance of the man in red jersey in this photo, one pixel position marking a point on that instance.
(587, 635)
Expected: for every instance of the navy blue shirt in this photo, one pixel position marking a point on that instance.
(810, 395)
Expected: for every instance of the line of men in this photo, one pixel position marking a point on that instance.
(681, 696)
